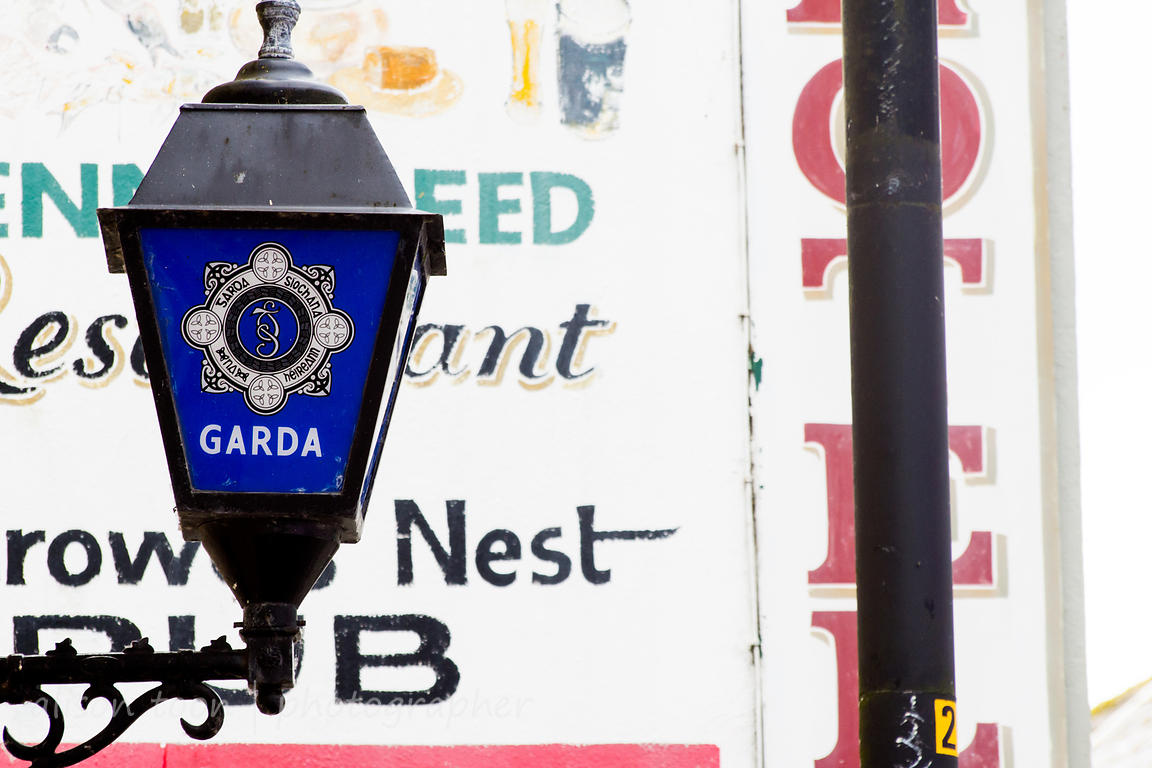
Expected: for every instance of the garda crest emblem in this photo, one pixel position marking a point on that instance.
(267, 328)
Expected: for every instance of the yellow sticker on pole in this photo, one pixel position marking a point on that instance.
(946, 727)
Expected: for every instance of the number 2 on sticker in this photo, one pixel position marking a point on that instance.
(946, 727)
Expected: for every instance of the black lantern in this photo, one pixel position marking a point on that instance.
(277, 268)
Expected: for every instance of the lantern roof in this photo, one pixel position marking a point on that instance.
(259, 155)
(275, 157)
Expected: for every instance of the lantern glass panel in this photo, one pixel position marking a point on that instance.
(407, 329)
(268, 335)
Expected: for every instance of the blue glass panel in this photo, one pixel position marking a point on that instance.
(403, 346)
(268, 336)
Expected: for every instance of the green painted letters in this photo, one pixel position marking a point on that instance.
(426, 200)
(4, 167)
(125, 179)
(542, 185)
(492, 205)
(37, 181)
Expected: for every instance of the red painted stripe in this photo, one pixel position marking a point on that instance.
(373, 756)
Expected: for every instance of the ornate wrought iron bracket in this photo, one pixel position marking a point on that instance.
(270, 630)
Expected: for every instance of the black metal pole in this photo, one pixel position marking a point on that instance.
(899, 393)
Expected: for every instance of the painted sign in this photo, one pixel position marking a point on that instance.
(537, 565)
(575, 553)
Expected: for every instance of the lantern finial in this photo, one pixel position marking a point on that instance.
(275, 77)
(277, 19)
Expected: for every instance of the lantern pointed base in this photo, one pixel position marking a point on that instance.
(269, 560)
(270, 565)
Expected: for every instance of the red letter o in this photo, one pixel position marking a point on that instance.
(960, 131)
